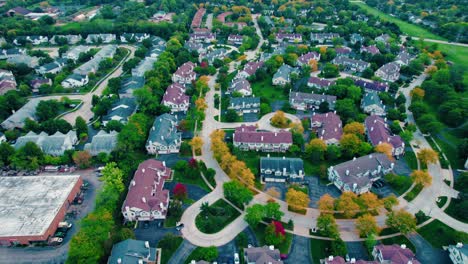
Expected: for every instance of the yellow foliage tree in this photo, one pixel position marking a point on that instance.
(326, 203)
(386, 149)
(196, 143)
(313, 65)
(347, 204)
(354, 128)
(366, 225)
(417, 93)
(279, 119)
(204, 79)
(297, 200)
(323, 50)
(296, 127)
(371, 201)
(201, 104)
(427, 155)
(421, 177)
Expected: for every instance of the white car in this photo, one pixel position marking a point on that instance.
(236, 258)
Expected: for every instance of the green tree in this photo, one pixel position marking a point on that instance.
(81, 127)
(254, 214)
(28, 157)
(46, 110)
(237, 193)
(272, 211)
(402, 221)
(327, 224)
(6, 153)
(273, 236)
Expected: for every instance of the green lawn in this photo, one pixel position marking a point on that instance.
(452, 210)
(182, 178)
(219, 215)
(413, 193)
(405, 27)
(260, 234)
(320, 249)
(399, 183)
(411, 160)
(169, 244)
(442, 201)
(399, 240)
(267, 91)
(439, 234)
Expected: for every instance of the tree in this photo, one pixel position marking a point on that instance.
(346, 203)
(370, 242)
(196, 143)
(296, 127)
(421, 177)
(254, 214)
(180, 191)
(354, 128)
(406, 135)
(29, 157)
(273, 192)
(330, 71)
(231, 115)
(366, 225)
(46, 110)
(390, 201)
(350, 145)
(402, 221)
(386, 149)
(81, 127)
(6, 153)
(275, 233)
(237, 193)
(417, 94)
(279, 120)
(205, 253)
(82, 159)
(201, 104)
(327, 223)
(326, 203)
(272, 211)
(427, 155)
(297, 200)
(316, 149)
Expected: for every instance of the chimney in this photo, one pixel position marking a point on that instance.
(268, 155)
(147, 244)
(143, 199)
(354, 158)
(276, 134)
(459, 245)
(379, 168)
(261, 139)
(119, 261)
(140, 261)
(284, 157)
(330, 258)
(143, 170)
(133, 182)
(271, 247)
(370, 156)
(403, 246)
(347, 172)
(284, 171)
(392, 165)
(372, 129)
(353, 260)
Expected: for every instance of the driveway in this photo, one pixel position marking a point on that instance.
(425, 253)
(194, 192)
(153, 232)
(226, 252)
(317, 190)
(300, 251)
(357, 250)
(182, 253)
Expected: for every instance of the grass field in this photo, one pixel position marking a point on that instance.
(267, 91)
(439, 234)
(320, 249)
(405, 27)
(220, 215)
(411, 160)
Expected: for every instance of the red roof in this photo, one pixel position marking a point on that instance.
(175, 94)
(186, 70)
(328, 126)
(249, 134)
(251, 67)
(397, 254)
(304, 59)
(197, 19)
(379, 132)
(146, 189)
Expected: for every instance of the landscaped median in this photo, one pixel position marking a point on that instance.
(215, 217)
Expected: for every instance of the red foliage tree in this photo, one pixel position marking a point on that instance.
(193, 163)
(279, 229)
(204, 64)
(180, 191)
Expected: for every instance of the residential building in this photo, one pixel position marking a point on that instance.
(277, 169)
(235, 39)
(92, 65)
(54, 145)
(378, 132)
(323, 37)
(156, 50)
(372, 105)
(75, 80)
(9, 53)
(371, 85)
(100, 38)
(38, 82)
(185, 74)
(7, 81)
(121, 111)
(195, 46)
(212, 55)
(241, 86)
(328, 127)
(2, 138)
(372, 49)
(262, 255)
(343, 51)
(33, 206)
(319, 83)
(458, 253)
(358, 174)
(134, 37)
(29, 61)
(144, 66)
(52, 68)
(250, 68)
(403, 58)
(69, 39)
(289, 37)
(34, 40)
(341, 260)
(249, 138)
(383, 38)
(306, 101)
(351, 64)
(198, 17)
(74, 53)
(146, 199)
(244, 105)
(102, 142)
(394, 254)
(203, 37)
(129, 85)
(134, 251)
(355, 38)
(163, 136)
(18, 11)
(283, 75)
(27, 111)
(305, 59)
(175, 98)
(389, 72)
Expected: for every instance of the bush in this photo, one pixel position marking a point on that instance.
(201, 253)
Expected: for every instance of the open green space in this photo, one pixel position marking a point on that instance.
(405, 27)
(411, 160)
(442, 200)
(439, 234)
(215, 217)
(169, 244)
(266, 90)
(399, 183)
(284, 247)
(181, 175)
(320, 249)
(454, 210)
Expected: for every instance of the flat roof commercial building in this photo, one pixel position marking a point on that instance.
(32, 206)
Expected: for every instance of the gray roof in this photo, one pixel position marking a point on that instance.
(244, 100)
(164, 130)
(130, 251)
(371, 98)
(25, 59)
(145, 65)
(17, 119)
(102, 142)
(123, 109)
(292, 165)
(55, 144)
(262, 255)
(284, 71)
(131, 83)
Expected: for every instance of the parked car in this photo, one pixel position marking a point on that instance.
(236, 258)
(60, 234)
(65, 225)
(179, 227)
(85, 185)
(55, 241)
